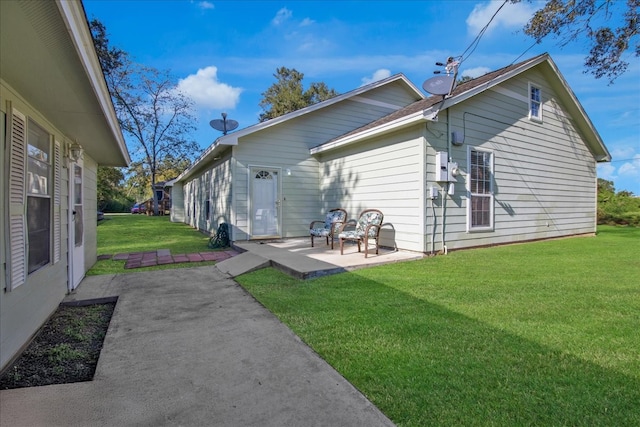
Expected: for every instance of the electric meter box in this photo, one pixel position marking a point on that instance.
(442, 171)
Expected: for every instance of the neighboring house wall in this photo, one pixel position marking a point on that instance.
(28, 299)
(544, 179)
(282, 147)
(385, 173)
(178, 211)
(527, 163)
(219, 185)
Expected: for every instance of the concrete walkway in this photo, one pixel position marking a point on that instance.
(190, 347)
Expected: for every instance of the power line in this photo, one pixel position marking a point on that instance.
(625, 160)
(522, 54)
(476, 41)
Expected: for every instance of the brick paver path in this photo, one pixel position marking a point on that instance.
(164, 256)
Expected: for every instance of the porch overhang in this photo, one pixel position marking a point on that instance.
(47, 57)
(389, 127)
(215, 150)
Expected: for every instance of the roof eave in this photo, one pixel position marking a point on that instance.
(401, 123)
(592, 137)
(272, 122)
(75, 20)
(214, 150)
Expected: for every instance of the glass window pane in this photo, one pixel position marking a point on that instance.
(37, 176)
(480, 187)
(77, 185)
(38, 225)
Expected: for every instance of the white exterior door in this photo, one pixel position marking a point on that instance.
(76, 225)
(265, 202)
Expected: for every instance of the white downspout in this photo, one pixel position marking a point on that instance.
(445, 188)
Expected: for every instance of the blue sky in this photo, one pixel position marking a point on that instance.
(224, 54)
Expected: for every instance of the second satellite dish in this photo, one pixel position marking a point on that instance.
(439, 85)
(223, 125)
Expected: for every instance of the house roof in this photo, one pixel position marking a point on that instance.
(231, 139)
(47, 56)
(428, 109)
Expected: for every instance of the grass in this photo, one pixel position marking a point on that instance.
(543, 333)
(126, 233)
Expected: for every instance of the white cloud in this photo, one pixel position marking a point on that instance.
(606, 171)
(511, 16)
(283, 15)
(306, 22)
(206, 5)
(206, 91)
(631, 168)
(475, 72)
(380, 74)
(623, 151)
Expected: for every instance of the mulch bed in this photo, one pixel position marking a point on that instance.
(66, 350)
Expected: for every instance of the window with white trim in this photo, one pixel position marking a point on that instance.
(480, 214)
(39, 164)
(35, 168)
(535, 103)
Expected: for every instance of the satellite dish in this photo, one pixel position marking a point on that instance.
(439, 85)
(223, 125)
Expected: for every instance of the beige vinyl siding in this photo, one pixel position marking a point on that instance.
(221, 184)
(216, 182)
(544, 176)
(286, 146)
(285, 149)
(394, 93)
(178, 208)
(385, 173)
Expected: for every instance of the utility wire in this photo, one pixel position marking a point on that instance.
(525, 51)
(474, 44)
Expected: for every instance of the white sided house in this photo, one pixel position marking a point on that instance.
(57, 124)
(507, 157)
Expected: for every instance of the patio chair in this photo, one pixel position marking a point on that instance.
(330, 226)
(366, 228)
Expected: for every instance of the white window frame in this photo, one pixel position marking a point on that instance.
(16, 133)
(471, 195)
(535, 102)
(40, 193)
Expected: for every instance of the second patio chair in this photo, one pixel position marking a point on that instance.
(367, 227)
(330, 226)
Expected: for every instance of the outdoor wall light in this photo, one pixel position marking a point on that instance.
(288, 172)
(75, 151)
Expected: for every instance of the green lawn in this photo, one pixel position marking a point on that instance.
(126, 233)
(544, 333)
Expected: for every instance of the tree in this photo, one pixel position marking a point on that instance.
(108, 185)
(621, 208)
(170, 167)
(609, 26)
(151, 111)
(288, 94)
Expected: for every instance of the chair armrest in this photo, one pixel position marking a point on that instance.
(366, 230)
(345, 224)
(314, 222)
